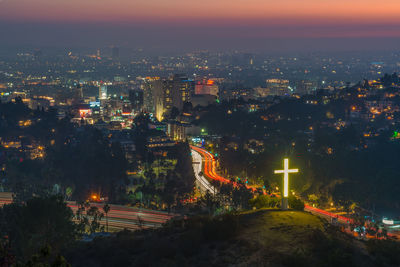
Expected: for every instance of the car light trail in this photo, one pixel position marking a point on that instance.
(122, 217)
(209, 171)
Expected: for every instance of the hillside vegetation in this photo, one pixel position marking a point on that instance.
(261, 238)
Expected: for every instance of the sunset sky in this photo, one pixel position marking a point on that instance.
(219, 21)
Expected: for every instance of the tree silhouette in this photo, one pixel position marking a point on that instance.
(106, 209)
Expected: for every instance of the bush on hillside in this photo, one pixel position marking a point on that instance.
(264, 201)
(295, 203)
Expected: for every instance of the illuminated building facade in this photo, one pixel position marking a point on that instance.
(177, 130)
(153, 96)
(278, 87)
(178, 90)
(161, 95)
(206, 87)
(41, 102)
(103, 92)
(159, 142)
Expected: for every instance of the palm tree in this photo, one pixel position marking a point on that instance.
(106, 209)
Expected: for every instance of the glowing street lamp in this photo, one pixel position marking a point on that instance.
(286, 172)
(94, 197)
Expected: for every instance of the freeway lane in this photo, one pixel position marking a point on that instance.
(130, 218)
(210, 167)
(202, 182)
(119, 217)
(327, 214)
(209, 164)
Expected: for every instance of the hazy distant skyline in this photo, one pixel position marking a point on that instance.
(215, 24)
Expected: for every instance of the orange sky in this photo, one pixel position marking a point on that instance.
(203, 23)
(285, 11)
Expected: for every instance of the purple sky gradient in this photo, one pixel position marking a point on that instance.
(251, 24)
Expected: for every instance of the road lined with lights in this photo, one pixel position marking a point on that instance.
(119, 217)
(327, 214)
(197, 168)
(209, 171)
(209, 164)
(210, 167)
(122, 217)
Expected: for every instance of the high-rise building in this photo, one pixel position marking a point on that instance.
(278, 87)
(103, 92)
(178, 90)
(78, 94)
(136, 98)
(153, 96)
(161, 95)
(126, 107)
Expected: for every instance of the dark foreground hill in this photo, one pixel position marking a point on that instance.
(263, 238)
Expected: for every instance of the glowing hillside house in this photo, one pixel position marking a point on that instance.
(286, 172)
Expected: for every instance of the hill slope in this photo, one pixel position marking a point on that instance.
(262, 238)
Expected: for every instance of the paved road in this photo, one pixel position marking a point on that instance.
(328, 215)
(210, 167)
(209, 164)
(119, 217)
(201, 181)
(210, 171)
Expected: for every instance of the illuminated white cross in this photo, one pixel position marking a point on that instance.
(286, 172)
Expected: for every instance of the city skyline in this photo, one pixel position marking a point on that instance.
(199, 133)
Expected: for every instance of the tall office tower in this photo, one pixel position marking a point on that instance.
(305, 87)
(278, 87)
(178, 90)
(153, 96)
(98, 54)
(136, 98)
(102, 92)
(114, 52)
(161, 95)
(78, 94)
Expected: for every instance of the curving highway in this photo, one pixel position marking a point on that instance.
(201, 181)
(209, 171)
(209, 164)
(210, 167)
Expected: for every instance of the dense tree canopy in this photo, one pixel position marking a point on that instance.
(38, 223)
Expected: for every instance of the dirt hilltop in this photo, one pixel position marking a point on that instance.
(254, 238)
